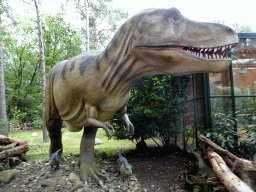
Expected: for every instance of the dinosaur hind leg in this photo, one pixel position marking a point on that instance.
(54, 129)
(88, 167)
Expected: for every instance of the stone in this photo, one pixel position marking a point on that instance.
(111, 190)
(34, 134)
(136, 189)
(73, 177)
(77, 185)
(48, 189)
(7, 175)
(61, 182)
(98, 141)
(48, 183)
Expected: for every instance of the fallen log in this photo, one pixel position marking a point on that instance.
(15, 151)
(226, 176)
(6, 147)
(244, 169)
(218, 149)
(8, 140)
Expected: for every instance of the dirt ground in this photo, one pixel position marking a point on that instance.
(159, 169)
(156, 169)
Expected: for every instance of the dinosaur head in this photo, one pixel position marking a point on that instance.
(173, 44)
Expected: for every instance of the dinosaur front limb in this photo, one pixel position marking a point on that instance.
(88, 167)
(125, 119)
(91, 114)
(110, 127)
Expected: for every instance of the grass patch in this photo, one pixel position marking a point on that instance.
(71, 143)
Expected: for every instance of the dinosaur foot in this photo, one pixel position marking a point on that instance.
(94, 174)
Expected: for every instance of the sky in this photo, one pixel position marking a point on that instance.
(230, 11)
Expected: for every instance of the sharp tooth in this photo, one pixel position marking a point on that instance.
(210, 49)
(206, 55)
(223, 48)
(205, 50)
(221, 57)
(218, 57)
(230, 46)
(201, 50)
(210, 57)
(215, 49)
(214, 56)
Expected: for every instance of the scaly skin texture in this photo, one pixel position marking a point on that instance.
(87, 90)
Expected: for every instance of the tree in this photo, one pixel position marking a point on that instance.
(242, 28)
(22, 60)
(101, 21)
(4, 8)
(83, 10)
(155, 108)
(42, 69)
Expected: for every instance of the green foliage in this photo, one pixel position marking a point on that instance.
(248, 144)
(104, 21)
(22, 69)
(223, 132)
(154, 108)
(242, 28)
(61, 41)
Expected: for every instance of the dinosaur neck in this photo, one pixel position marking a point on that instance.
(120, 77)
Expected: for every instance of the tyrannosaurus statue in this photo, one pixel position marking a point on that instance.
(87, 90)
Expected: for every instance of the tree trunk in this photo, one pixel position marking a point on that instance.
(3, 116)
(42, 67)
(86, 7)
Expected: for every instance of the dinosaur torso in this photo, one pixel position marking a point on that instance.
(155, 41)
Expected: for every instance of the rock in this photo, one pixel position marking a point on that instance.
(62, 182)
(7, 175)
(48, 189)
(34, 134)
(136, 189)
(73, 177)
(98, 141)
(111, 190)
(48, 183)
(77, 185)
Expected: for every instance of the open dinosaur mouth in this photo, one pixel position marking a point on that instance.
(211, 53)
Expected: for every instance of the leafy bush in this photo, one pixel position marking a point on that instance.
(154, 108)
(248, 146)
(223, 132)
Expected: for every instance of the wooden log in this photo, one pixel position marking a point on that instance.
(243, 168)
(218, 149)
(226, 176)
(15, 151)
(8, 140)
(10, 146)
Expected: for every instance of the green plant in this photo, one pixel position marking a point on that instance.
(248, 146)
(223, 132)
(38, 123)
(155, 109)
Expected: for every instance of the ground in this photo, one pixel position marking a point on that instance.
(156, 169)
(159, 169)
